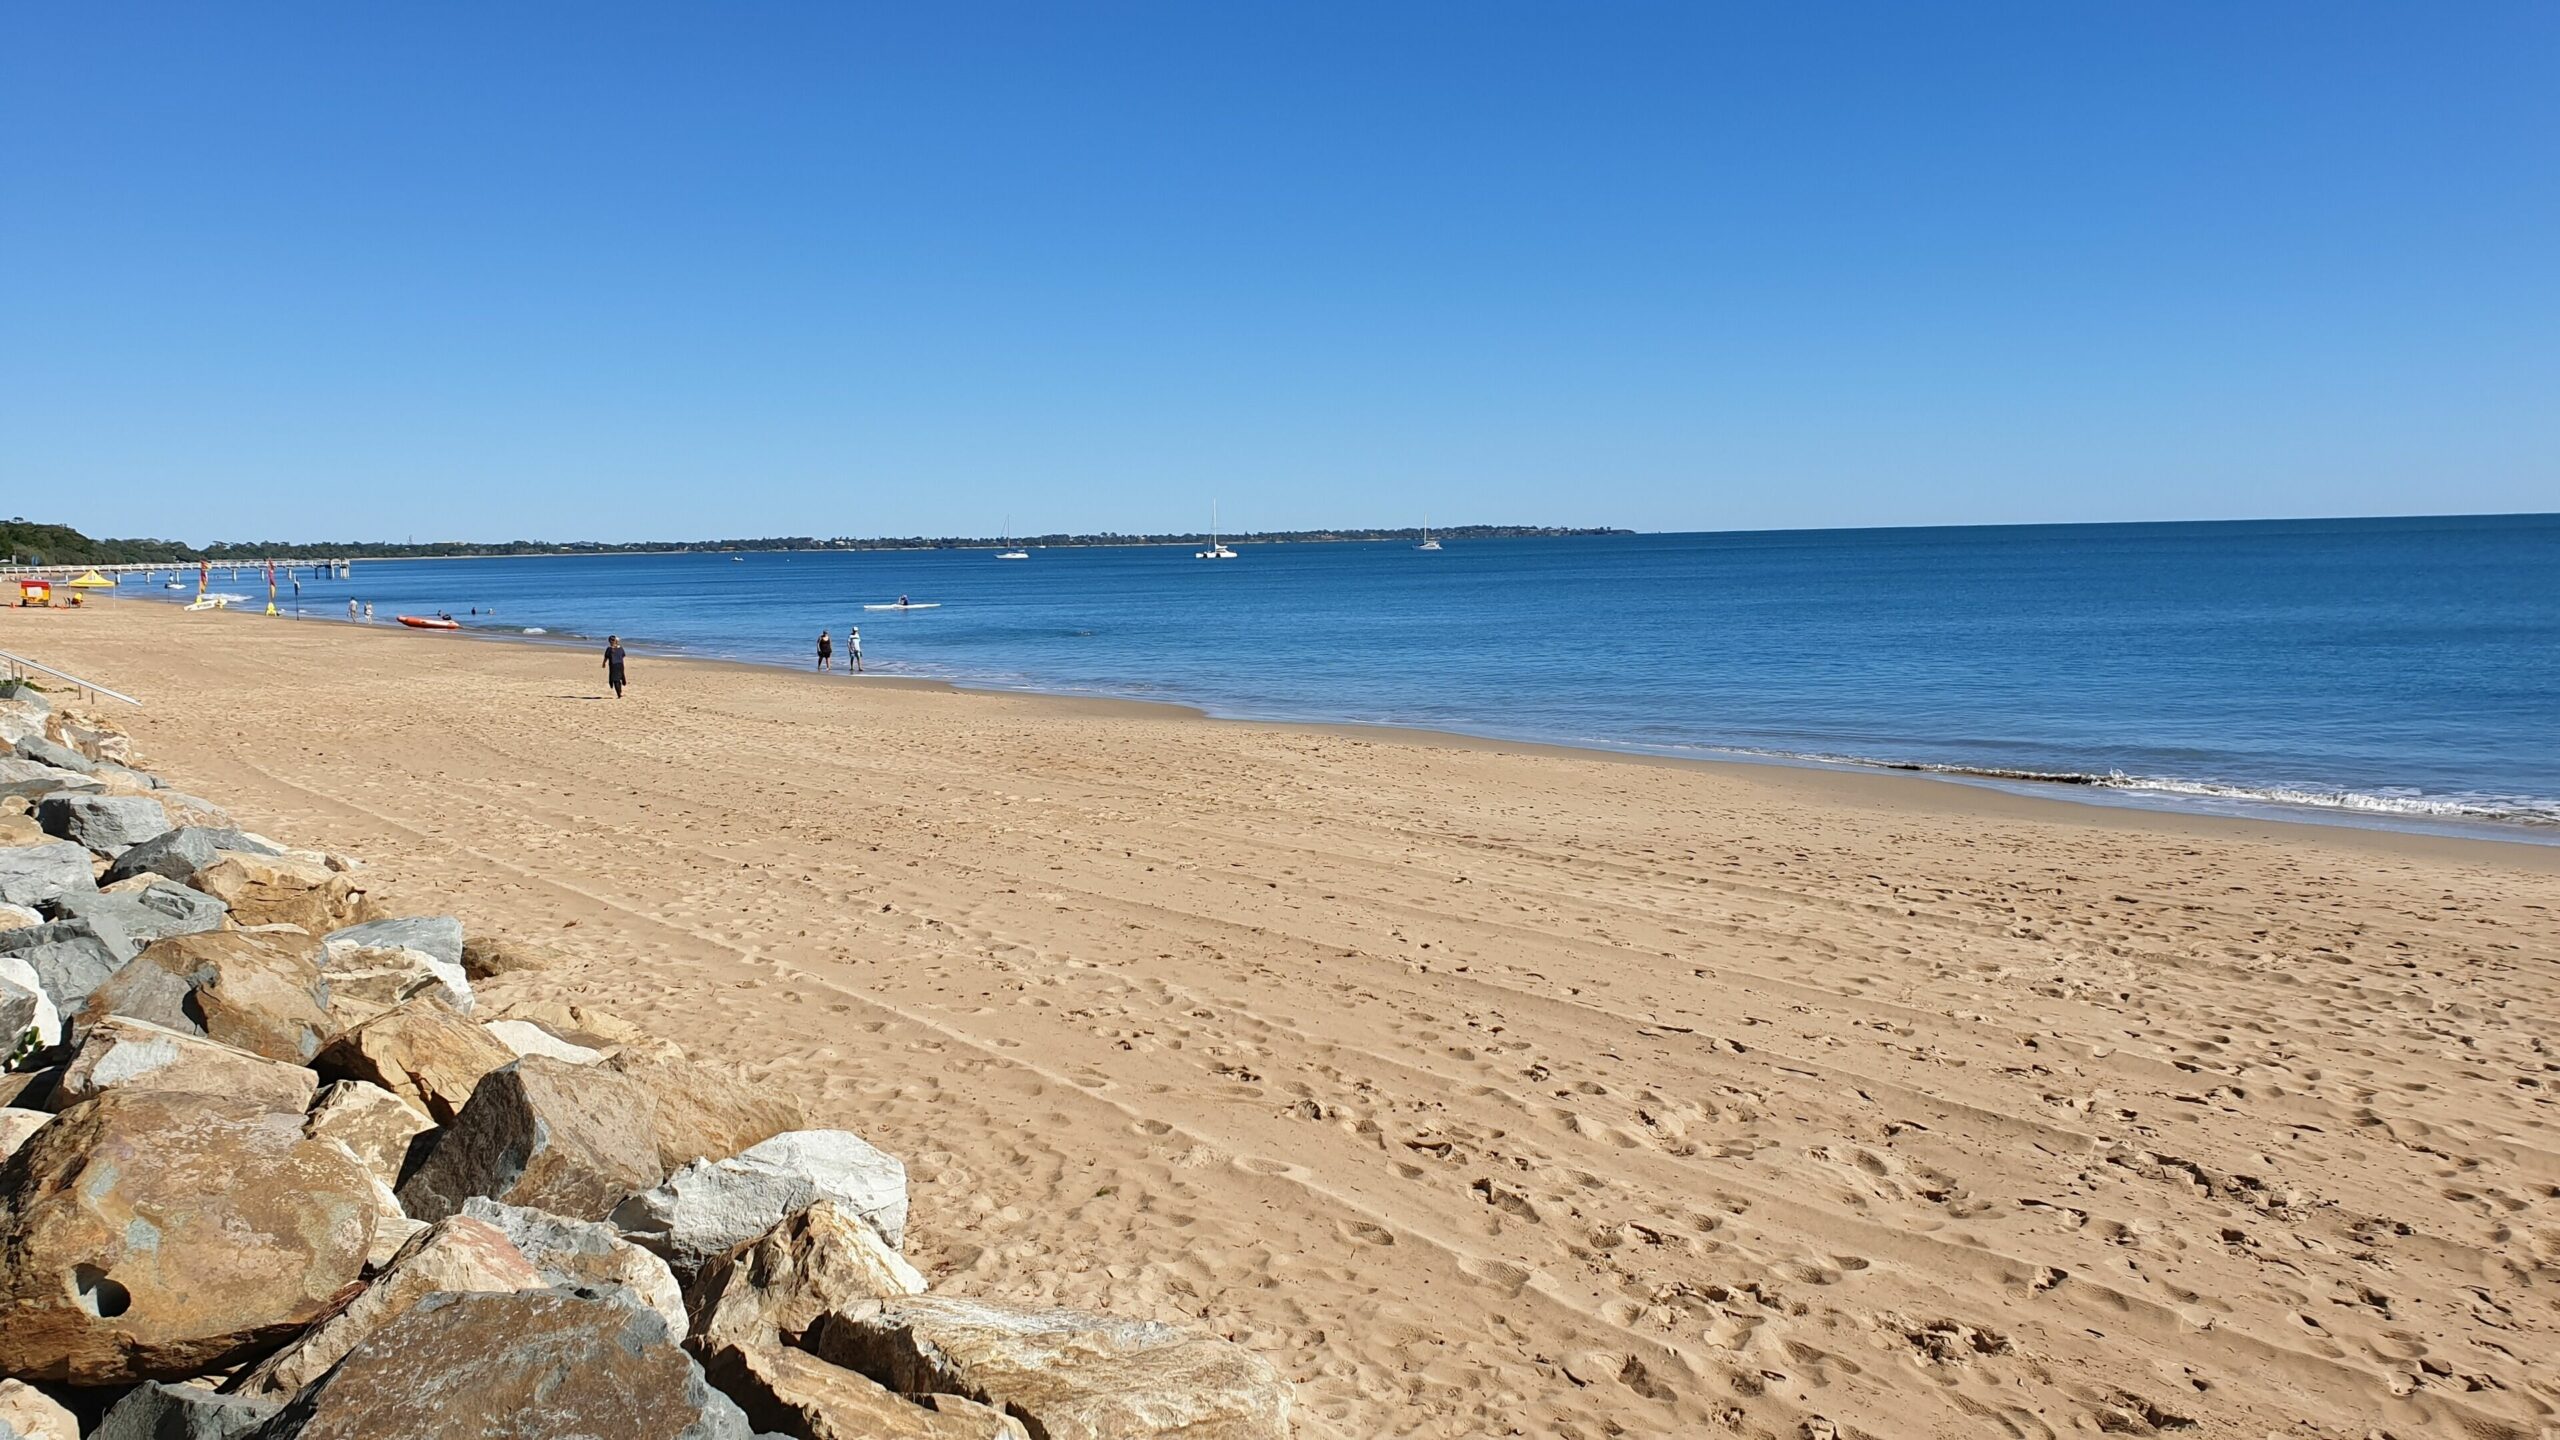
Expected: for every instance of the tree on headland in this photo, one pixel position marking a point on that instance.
(29, 543)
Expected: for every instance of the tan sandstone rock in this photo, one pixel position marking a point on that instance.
(158, 1235)
(570, 1139)
(453, 1254)
(256, 992)
(773, 1289)
(376, 1126)
(702, 1113)
(27, 1413)
(16, 1126)
(124, 1053)
(422, 1051)
(1068, 1374)
(792, 1392)
(269, 889)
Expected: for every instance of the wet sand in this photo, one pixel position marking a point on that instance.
(1496, 1090)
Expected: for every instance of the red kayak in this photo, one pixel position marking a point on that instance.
(427, 622)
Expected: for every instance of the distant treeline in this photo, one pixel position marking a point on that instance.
(29, 543)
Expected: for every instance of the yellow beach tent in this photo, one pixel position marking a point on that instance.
(91, 581)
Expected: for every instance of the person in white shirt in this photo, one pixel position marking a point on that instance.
(853, 646)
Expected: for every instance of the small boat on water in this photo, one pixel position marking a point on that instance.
(1427, 542)
(1216, 550)
(429, 622)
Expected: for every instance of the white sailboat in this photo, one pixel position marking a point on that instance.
(1427, 542)
(1011, 551)
(1216, 551)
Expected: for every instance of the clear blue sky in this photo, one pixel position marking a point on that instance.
(629, 270)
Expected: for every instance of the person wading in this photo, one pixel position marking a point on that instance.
(826, 651)
(853, 646)
(613, 664)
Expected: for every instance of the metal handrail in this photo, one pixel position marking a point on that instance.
(16, 662)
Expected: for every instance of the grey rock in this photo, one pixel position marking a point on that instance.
(108, 824)
(439, 936)
(585, 1253)
(72, 957)
(570, 1139)
(520, 1365)
(34, 777)
(156, 913)
(159, 1411)
(227, 838)
(21, 692)
(177, 855)
(710, 1207)
(34, 874)
(60, 757)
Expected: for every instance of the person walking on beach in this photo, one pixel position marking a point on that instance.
(351, 609)
(613, 664)
(853, 646)
(826, 651)
(368, 612)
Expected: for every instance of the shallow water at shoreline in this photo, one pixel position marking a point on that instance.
(2402, 672)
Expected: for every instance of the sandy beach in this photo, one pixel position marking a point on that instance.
(1490, 1090)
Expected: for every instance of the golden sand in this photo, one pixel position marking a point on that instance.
(1491, 1090)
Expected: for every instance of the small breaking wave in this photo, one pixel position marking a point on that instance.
(2414, 805)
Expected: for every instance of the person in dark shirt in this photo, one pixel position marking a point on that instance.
(826, 651)
(613, 664)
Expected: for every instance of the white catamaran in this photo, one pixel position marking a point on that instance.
(1427, 542)
(1011, 551)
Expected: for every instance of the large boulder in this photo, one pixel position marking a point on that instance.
(72, 957)
(177, 855)
(27, 1413)
(709, 1207)
(119, 1053)
(376, 970)
(794, 1393)
(19, 917)
(160, 1411)
(774, 1288)
(570, 1139)
(1067, 1374)
(265, 890)
(438, 936)
(256, 992)
(35, 874)
(32, 778)
(25, 1008)
(701, 1111)
(152, 911)
(587, 1255)
(48, 752)
(377, 1127)
(157, 1235)
(107, 825)
(458, 1253)
(421, 1051)
(521, 1365)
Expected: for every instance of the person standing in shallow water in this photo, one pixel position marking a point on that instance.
(613, 664)
(853, 647)
(826, 651)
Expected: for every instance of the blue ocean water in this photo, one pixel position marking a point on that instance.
(2404, 670)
